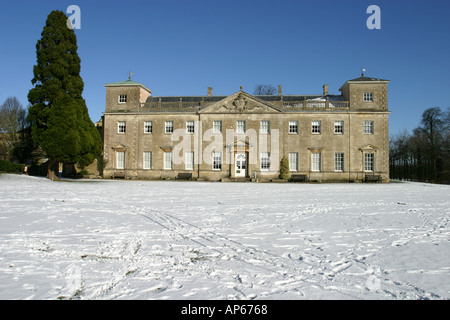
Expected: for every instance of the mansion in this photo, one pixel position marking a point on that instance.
(244, 137)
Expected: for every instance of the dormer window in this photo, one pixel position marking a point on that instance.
(123, 98)
(368, 96)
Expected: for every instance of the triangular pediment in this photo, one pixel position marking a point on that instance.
(368, 147)
(241, 102)
(120, 147)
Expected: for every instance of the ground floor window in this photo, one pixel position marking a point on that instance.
(120, 163)
(167, 160)
(338, 161)
(265, 161)
(189, 160)
(217, 161)
(369, 159)
(147, 160)
(293, 161)
(316, 161)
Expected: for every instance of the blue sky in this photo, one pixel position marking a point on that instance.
(181, 47)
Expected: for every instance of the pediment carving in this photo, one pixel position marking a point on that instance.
(241, 102)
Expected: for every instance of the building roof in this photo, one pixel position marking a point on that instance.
(364, 78)
(126, 83)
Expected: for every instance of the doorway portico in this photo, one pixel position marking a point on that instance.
(239, 159)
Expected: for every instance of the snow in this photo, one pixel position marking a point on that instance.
(99, 239)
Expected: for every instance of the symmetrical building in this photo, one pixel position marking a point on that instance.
(242, 136)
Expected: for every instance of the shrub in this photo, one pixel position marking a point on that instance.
(8, 167)
(284, 169)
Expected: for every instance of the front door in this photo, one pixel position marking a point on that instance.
(240, 165)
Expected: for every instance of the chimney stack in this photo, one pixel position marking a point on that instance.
(210, 89)
(325, 89)
(279, 90)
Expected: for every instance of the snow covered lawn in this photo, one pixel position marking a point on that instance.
(199, 240)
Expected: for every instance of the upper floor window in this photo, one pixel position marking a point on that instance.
(368, 127)
(368, 96)
(265, 127)
(240, 126)
(217, 126)
(121, 127)
(315, 127)
(339, 127)
(293, 127)
(148, 128)
(189, 126)
(123, 98)
(169, 127)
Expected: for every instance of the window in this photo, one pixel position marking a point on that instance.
(120, 160)
(338, 161)
(369, 162)
(148, 127)
(315, 127)
(265, 127)
(123, 98)
(169, 127)
(217, 126)
(293, 161)
(338, 127)
(189, 126)
(121, 127)
(189, 160)
(217, 161)
(265, 161)
(316, 161)
(293, 127)
(167, 160)
(240, 126)
(368, 127)
(147, 160)
(368, 96)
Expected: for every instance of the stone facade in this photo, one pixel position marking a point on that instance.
(242, 136)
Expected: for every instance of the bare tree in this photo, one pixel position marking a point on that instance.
(264, 89)
(424, 155)
(12, 122)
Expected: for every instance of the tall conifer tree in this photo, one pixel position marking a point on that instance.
(58, 112)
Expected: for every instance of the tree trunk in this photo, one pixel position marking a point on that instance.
(53, 166)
